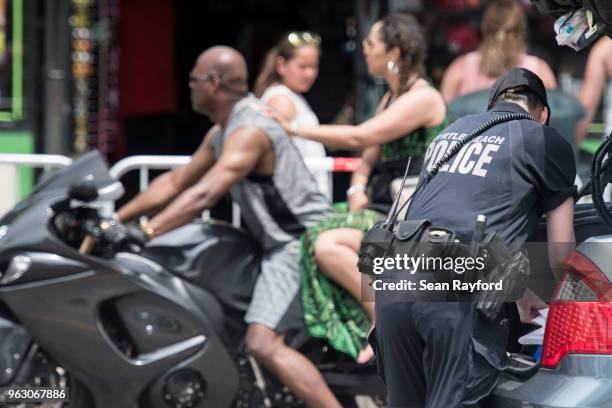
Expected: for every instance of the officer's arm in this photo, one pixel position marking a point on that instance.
(560, 231)
(167, 186)
(423, 107)
(242, 150)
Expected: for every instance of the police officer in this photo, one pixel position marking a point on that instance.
(447, 354)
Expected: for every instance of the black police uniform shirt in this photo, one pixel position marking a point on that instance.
(512, 173)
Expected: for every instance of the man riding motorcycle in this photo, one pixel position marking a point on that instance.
(251, 156)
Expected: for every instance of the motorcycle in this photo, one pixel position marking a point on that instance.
(123, 326)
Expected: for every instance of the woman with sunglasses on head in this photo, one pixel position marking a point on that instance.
(289, 70)
(408, 117)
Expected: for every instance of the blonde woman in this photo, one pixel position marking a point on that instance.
(502, 48)
(289, 70)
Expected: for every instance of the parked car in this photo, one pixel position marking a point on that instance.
(576, 360)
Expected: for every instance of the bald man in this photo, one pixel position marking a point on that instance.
(250, 155)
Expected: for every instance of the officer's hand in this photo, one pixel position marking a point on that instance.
(358, 201)
(529, 305)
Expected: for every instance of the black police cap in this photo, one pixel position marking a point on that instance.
(520, 77)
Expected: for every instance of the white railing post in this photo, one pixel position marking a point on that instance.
(44, 161)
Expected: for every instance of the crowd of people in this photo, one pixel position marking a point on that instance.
(309, 271)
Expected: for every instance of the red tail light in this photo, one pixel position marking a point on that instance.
(580, 315)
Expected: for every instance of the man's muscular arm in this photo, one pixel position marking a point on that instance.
(242, 151)
(170, 184)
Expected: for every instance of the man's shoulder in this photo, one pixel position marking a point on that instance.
(250, 113)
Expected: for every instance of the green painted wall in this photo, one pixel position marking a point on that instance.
(19, 142)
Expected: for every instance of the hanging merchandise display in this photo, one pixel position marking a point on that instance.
(11, 60)
(94, 59)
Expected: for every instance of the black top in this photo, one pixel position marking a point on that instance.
(512, 173)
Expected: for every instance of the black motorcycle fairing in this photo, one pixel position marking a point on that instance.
(14, 343)
(43, 266)
(81, 342)
(217, 257)
(145, 314)
(221, 382)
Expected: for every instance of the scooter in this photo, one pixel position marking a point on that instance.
(123, 326)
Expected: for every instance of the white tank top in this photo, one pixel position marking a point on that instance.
(304, 116)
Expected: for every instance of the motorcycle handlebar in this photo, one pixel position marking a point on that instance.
(87, 245)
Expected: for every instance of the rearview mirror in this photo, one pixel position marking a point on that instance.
(84, 190)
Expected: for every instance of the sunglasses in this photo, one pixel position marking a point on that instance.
(299, 38)
(193, 77)
(367, 43)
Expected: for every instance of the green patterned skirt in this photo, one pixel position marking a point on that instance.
(330, 312)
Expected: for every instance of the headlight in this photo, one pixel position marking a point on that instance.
(17, 267)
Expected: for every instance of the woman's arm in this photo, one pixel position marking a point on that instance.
(356, 196)
(451, 81)
(283, 105)
(421, 107)
(593, 85)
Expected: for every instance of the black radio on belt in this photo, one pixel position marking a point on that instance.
(376, 243)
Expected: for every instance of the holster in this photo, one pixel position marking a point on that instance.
(511, 267)
(418, 238)
(513, 271)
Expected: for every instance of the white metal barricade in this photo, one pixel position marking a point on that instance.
(155, 162)
(145, 163)
(45, 161)
(42, 161)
